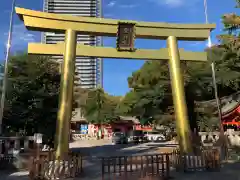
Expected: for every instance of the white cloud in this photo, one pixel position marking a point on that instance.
(111, 4)
(20, 35)
(115, 4)
(174, 3)
(128, 6)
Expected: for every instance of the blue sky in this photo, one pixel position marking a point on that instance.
(116, 72)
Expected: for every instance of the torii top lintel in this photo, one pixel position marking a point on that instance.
(50, 22)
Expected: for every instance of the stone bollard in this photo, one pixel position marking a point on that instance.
(17, 161)
(1, 146)
(17, 144)
(7, 145)
(26, 144)
(238, 140)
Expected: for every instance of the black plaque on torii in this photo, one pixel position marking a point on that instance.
(126, 36)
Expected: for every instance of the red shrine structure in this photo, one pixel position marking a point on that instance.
(230, 107)
(231, 117)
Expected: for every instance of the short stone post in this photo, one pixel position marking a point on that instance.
(26, 144)
(17, 144)
(1, 149)
(7, 146)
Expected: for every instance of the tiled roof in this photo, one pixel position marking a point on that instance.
(228, 103)
(129, 118)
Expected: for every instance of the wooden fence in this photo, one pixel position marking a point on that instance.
(136, 167)
(207, 160)
(48, 166)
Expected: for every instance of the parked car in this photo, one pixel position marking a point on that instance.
(136, 136)
(156, 136)
(119, 138)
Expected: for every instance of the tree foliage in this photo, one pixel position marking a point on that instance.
(32, 95)
(97, 106)
(149, 91)
(151, 94)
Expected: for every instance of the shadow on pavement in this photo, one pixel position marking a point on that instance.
(9, 175)
(108, 149)
(228, 171)
(92, 166)
(162, 145)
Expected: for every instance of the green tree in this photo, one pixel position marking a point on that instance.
(99, 107)
(197, 79)
(230, 57)
(32, 95)
(225, 55)
(150, 95)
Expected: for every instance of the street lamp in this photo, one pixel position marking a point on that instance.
(222, 137)
(4, 83)
(214, 74)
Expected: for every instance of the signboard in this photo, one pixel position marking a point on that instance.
(84, 129)
(125, 36)
(143, 128)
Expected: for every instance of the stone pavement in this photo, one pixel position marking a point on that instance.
(94, 149)
(92, 165)
(229, 171)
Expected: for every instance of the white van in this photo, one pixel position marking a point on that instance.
(155, 136)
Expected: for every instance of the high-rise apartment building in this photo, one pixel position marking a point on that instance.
(88, 70)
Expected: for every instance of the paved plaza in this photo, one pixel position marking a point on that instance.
(98, 148)
(93, 149)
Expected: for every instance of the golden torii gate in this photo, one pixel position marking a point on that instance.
(126, 31)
